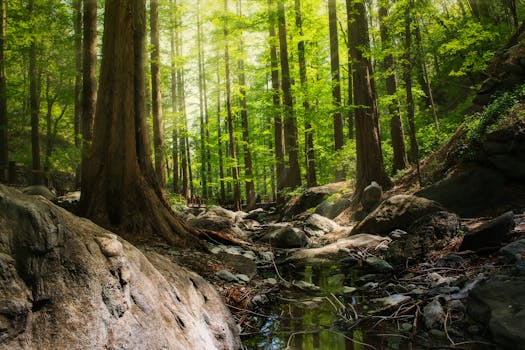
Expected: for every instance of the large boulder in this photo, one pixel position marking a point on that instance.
(490, 235)
(310, 198)
(69, 284)
(40, 190)
(499, 305)
(371, 196)
(397, 212)
(286, 237)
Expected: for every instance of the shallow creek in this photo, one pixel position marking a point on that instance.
(319, 318)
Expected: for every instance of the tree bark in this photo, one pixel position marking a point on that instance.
(292, 170)
(4, 148)
(89, 78)
(77, 18)
(174, 100)
(34, 104)
(311, 176)
(369, 158)
(350, 97)
(222, 193)
(336, 87)
(400, 159)
(202, 117)
(156, 97)
(120, 189)
(276, 99)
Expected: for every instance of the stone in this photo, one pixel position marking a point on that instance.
(392, 300)
(498, 305)
(213, 222)
(70, 284)
(242, 277)
(433, 314)
(397, 212)
(378, 265)
(40, 190)
(316, 223)
(460, 191)
(286, 237)
(450, 260)
(333, 206)
(489, 235)
(348, 290)
(512, 252)
(226, 275)
(372, 195)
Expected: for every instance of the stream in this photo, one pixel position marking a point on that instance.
(318, 318)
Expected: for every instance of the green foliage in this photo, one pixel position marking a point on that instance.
(478, 124)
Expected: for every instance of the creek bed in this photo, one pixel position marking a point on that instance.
(320, 318)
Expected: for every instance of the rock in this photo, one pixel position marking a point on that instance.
(397, 233)
(499, 305)
(333, 206)
(460, 191)
(318, 225)
(433, 314)
(286, 237)
(256, 214)
(69, 284)
(217, 223)
(337, 250)
(40, 190)
(227, 276)
(397, 212)
(392, 300)
(242, 277)
(489, 235)
(378, 265)
(348, 290)
(512, 252)
(430, 232)
(450, 260)
(311, 198)
(371, 196)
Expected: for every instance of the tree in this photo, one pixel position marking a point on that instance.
(77, 4)
(89, 78)
(369, 158)
(400, 160)
(34, 102)
(292, 170)
(156, 98)
(336, 86)
(350, 91)
(311, 177)
(120, 189)
(4, 154)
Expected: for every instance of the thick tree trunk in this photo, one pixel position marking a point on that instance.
(311, 177)
(276, 99)
(4, 153)
(174, 101)
(156, 98)
(336, 87)
(77, 18)
(292, 170)
(34, 104)
(120, 189)
(369, 159)
(350, 97)
(400, 159)
(89, 78)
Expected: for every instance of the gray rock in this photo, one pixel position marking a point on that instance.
(499, 305)
(69, 284)
(227, 276)
(40, 190)
(397, 212)
(378, 265)
(371, 196)
(242, 277)
(286, 237)
(512, 252)
(433, 314)
(332, 207)
(311, 198)
(217, 223)
(320, 223)
(489, 235)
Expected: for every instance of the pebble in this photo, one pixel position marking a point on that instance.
(243, 277)
(227, 276)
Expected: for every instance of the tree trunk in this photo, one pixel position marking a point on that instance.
(156, 98)
(336, 87)
(248, 163)
(414, 147)
(311, 177)
(222, 195)
(369, 159)
(202, 98)
(350, 97)
(237, 205)
(4, 153)
(292, 171)
(34, 104)
(174, 100)
(77, 18)
(89, 78)
(400, 160)
(120, 189)
(276, 99)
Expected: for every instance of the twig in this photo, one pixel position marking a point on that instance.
(446, 331)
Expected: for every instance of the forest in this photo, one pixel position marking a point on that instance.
(262, 174)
